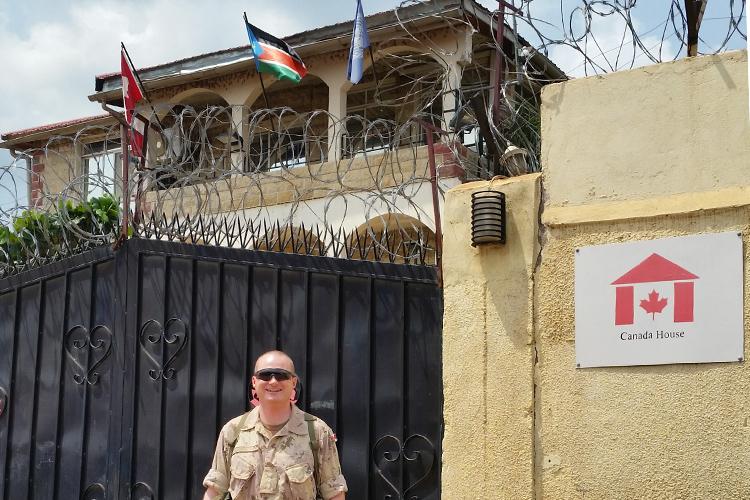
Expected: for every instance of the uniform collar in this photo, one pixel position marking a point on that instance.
(295, 425)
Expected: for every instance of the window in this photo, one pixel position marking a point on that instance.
(473, 140)
(101, 168)
(369, 126)
(291, 150)
(380, 109)
(193, 145)
(357, 142)
(285, 148)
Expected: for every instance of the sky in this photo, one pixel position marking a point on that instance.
(51, 50)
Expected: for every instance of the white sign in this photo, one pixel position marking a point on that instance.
(673, 300)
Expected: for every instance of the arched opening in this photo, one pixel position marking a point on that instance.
(291, 128)
(379, 109)
(396, 238)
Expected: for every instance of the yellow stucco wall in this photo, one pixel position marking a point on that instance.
(671, 128)
(671, 431)
(644, 154)
(487, 347)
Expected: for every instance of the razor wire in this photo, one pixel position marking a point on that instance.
(588, 37)
(305, 181)
(269, 179)
(270, 182)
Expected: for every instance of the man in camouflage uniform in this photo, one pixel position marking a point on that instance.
(276, 451)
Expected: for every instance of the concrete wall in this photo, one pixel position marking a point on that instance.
(302, 183)
(488, 351)
(673, 128)
(649, 153)
(62, 172)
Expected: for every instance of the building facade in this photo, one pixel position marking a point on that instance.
(322, 152)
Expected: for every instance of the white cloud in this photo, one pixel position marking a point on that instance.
(50, 51)
(605, 43)
(50, 67)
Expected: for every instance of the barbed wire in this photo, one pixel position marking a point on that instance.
(302, 180)
(276, 178)
(601, 36)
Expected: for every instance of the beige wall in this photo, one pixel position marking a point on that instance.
(673, 128)
(62, 171)
(487, 347)
(305, 182)
(671, 431)
(649, 153)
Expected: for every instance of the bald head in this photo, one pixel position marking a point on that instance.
(274, 359)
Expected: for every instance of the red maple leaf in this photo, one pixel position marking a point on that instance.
(654, 304)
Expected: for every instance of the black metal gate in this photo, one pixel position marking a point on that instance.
(118, 369)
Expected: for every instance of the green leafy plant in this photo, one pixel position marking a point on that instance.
(36, 234)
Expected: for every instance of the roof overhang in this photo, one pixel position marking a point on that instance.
(421, 17)
(485, 23)
(25, 138)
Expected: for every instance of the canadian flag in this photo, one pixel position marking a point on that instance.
(132, 94)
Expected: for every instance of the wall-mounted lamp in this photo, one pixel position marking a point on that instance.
(487, 217)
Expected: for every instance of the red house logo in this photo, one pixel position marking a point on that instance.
(653, 269)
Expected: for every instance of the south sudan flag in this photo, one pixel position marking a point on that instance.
(274, 56)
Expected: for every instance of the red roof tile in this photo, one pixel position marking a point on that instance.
(51, 126)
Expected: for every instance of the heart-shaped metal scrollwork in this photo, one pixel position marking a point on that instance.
(142, 491)
(95, 491)
(172, 337)
(391, 450)
(87, 351)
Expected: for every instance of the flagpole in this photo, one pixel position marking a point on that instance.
(263, 88)
(125, 194)
(268, 106)
(138, 184)
(374, 73)
(262, 84)
(143, 88)
(257, 66)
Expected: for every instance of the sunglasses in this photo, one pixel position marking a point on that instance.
(268, 373)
